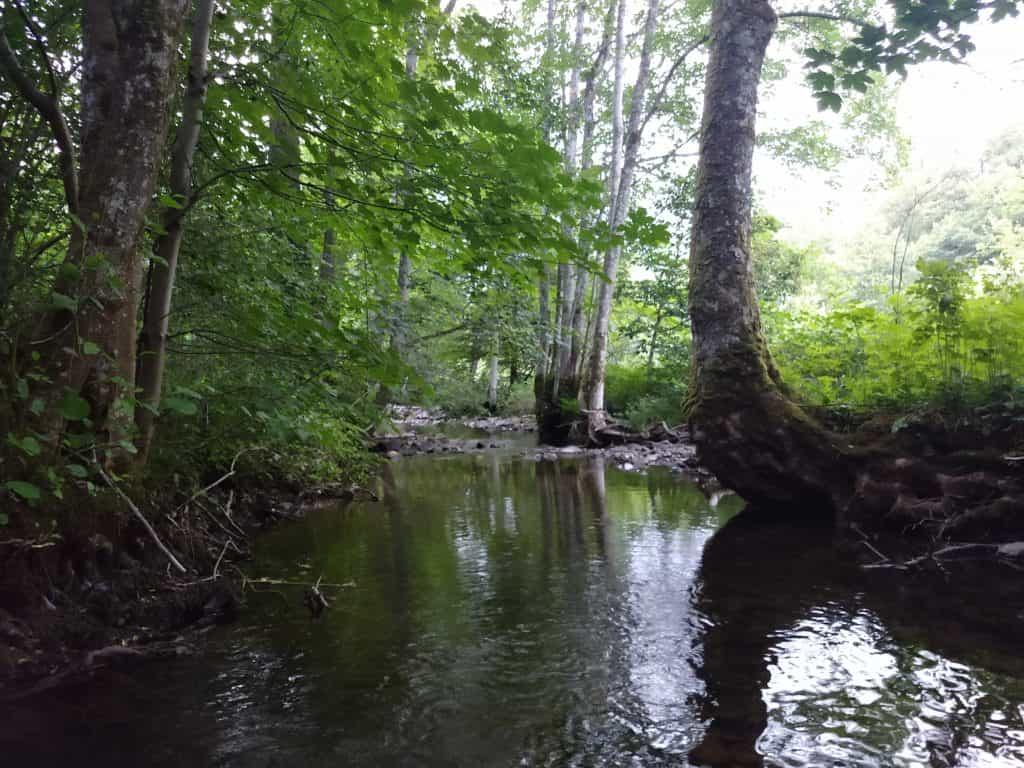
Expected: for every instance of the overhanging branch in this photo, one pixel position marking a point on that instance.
(49, 108)
(839, 17)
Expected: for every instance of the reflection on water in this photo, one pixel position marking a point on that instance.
(503, 612)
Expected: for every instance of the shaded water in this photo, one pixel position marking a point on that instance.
(503, 612)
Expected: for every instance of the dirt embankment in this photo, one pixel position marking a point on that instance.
(104, 592)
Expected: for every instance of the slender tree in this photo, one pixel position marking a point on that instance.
(626, 145)
(156, 317)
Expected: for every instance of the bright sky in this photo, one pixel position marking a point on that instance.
(949, 112)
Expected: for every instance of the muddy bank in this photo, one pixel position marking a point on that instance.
(424, 431)
(633, 457)
(73, 603)
(630, 451)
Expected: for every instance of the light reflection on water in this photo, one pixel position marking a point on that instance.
(512, 613)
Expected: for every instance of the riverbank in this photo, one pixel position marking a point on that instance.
(419, 431)
(75, 602)
(488, 606)
(72, 604)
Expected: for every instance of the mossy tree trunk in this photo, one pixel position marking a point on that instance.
(748, 431)
(87, 342)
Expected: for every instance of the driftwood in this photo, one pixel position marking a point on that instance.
(314, 600)
(142, 519)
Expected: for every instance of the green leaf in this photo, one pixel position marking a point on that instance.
(77, 470)
(180, 405)
(61, 301)
(829, 100)
(30, 446)
(4, 519)
(128, 446)
(169, 202)
(25, 490)
(74, 408)
(37, 407)
(90, 348)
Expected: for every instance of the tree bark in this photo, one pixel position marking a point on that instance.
(328, 266)
(492, 384)
(653, 345)
(748, 431)
(574, 367)
(129, 55)
(558, 381)
(153, 340)
(567, 273)
(620, 189)
(540, 373)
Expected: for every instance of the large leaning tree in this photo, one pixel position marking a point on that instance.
(749, 431)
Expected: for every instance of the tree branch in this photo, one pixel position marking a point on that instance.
(656, 101)
(41, 47)
(48, 107)
(840, 17)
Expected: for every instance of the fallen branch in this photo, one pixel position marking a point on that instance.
(31, 543)
(142, 518)
(940, 554)
(216, 566)
(868, 544)
(214, 484)
(287, 582)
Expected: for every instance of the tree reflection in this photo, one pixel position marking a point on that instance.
(757, 577)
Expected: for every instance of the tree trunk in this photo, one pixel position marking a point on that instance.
(541, 387)
(558, 381)
(620, 189)
(653, 345)
(129, 54)
(570, 383)
(153, 340)
(492, 384)
(747, 430)
(327, 263)
(567, 273)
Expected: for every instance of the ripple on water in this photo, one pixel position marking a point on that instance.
(508, 613)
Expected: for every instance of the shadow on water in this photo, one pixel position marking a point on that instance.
(805, 663)
(501, 612)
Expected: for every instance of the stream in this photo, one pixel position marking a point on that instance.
(495, 610)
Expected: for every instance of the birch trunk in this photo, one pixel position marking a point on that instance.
(492, 384)
(551, 421)
(620, 187)
(580, 321)
(540, 379)
(568, 276)
(153, 339)
(129, 56)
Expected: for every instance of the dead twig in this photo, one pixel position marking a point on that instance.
(864, 540)
(214, 484)
(141, 517)
(290, 583)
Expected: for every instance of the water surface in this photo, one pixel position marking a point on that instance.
(497, 611)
